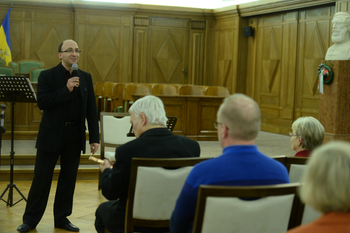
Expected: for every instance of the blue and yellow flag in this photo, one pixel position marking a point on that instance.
(5, 43)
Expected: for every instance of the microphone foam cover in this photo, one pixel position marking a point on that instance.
(75, 66)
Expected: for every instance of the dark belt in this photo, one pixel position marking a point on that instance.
(69, 123)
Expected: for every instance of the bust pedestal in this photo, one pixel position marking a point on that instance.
(334, 104)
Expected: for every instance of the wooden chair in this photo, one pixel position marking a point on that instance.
(107, 96)
(99, 99)
(164, 89)
(296, 167)
(118, 97)
(154, 189)
(217, 91)
(2, 62)
(220, 209)
(7, 71)
(191, 90)
(280, 158)
(114, 130)
(134, 89)
(34, 74)
(24, 66)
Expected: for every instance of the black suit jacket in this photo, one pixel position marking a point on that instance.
(52, 95)
(154, 143)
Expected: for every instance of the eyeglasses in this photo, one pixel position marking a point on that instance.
(216, 124)
(77, 51)
(291, 134)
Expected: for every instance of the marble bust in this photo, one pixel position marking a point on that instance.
(340, 50)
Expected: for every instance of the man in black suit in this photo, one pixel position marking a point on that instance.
(66, 100)
(153, 140)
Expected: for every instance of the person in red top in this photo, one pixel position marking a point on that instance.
(308, 133)
(326, 188)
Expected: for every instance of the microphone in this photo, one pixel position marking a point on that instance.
(75, 70)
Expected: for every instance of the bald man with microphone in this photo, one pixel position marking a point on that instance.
(66, 96)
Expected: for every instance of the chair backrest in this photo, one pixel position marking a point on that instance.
(217, 91)
(13, 65)
(7, 71)
(220, 209)
(280, 158)
(191, 90)
(34, 73)
(164, 89)
(296, 167)
(107, 96)
(135, 88)
(114, 129)
(118, 96)
(24, 66)
(153, 190)
(2, 62)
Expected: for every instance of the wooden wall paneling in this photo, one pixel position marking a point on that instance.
(177, 107)
(36, 31)
(140, 49)
(251, 61)
(225, 53)
(314, 40)
(168, 55)
(196, 52)
(273, 64)
(209, 75)
(207, 115)
(105, 37)
(47, 28)
(288, 68)
(342, 6)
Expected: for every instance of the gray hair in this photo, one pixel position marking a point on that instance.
(241, 114)
(310, 130)
(327, 178)
(152, 107)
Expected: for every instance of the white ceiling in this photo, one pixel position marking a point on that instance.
(203, 4)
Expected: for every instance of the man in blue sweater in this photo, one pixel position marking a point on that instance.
(241, 164)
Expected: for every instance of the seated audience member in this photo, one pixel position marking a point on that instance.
(241, 164)
(326, 188)
(308, 133)
(153, 140)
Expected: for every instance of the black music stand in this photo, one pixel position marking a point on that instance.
(14, 89)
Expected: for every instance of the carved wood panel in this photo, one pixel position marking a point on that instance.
(168, 50)
(225, 53)
(37, 32)
(105, 39)
(314, 40)
(275, 65)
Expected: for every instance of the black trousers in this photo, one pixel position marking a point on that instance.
(69, 154)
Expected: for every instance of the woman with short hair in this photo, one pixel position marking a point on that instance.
(307, 134)
(326, 188)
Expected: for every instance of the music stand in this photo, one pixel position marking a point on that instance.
(14, 89)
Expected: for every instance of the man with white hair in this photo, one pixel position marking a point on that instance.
(241, 164)
(340, 50)
(153, 140)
